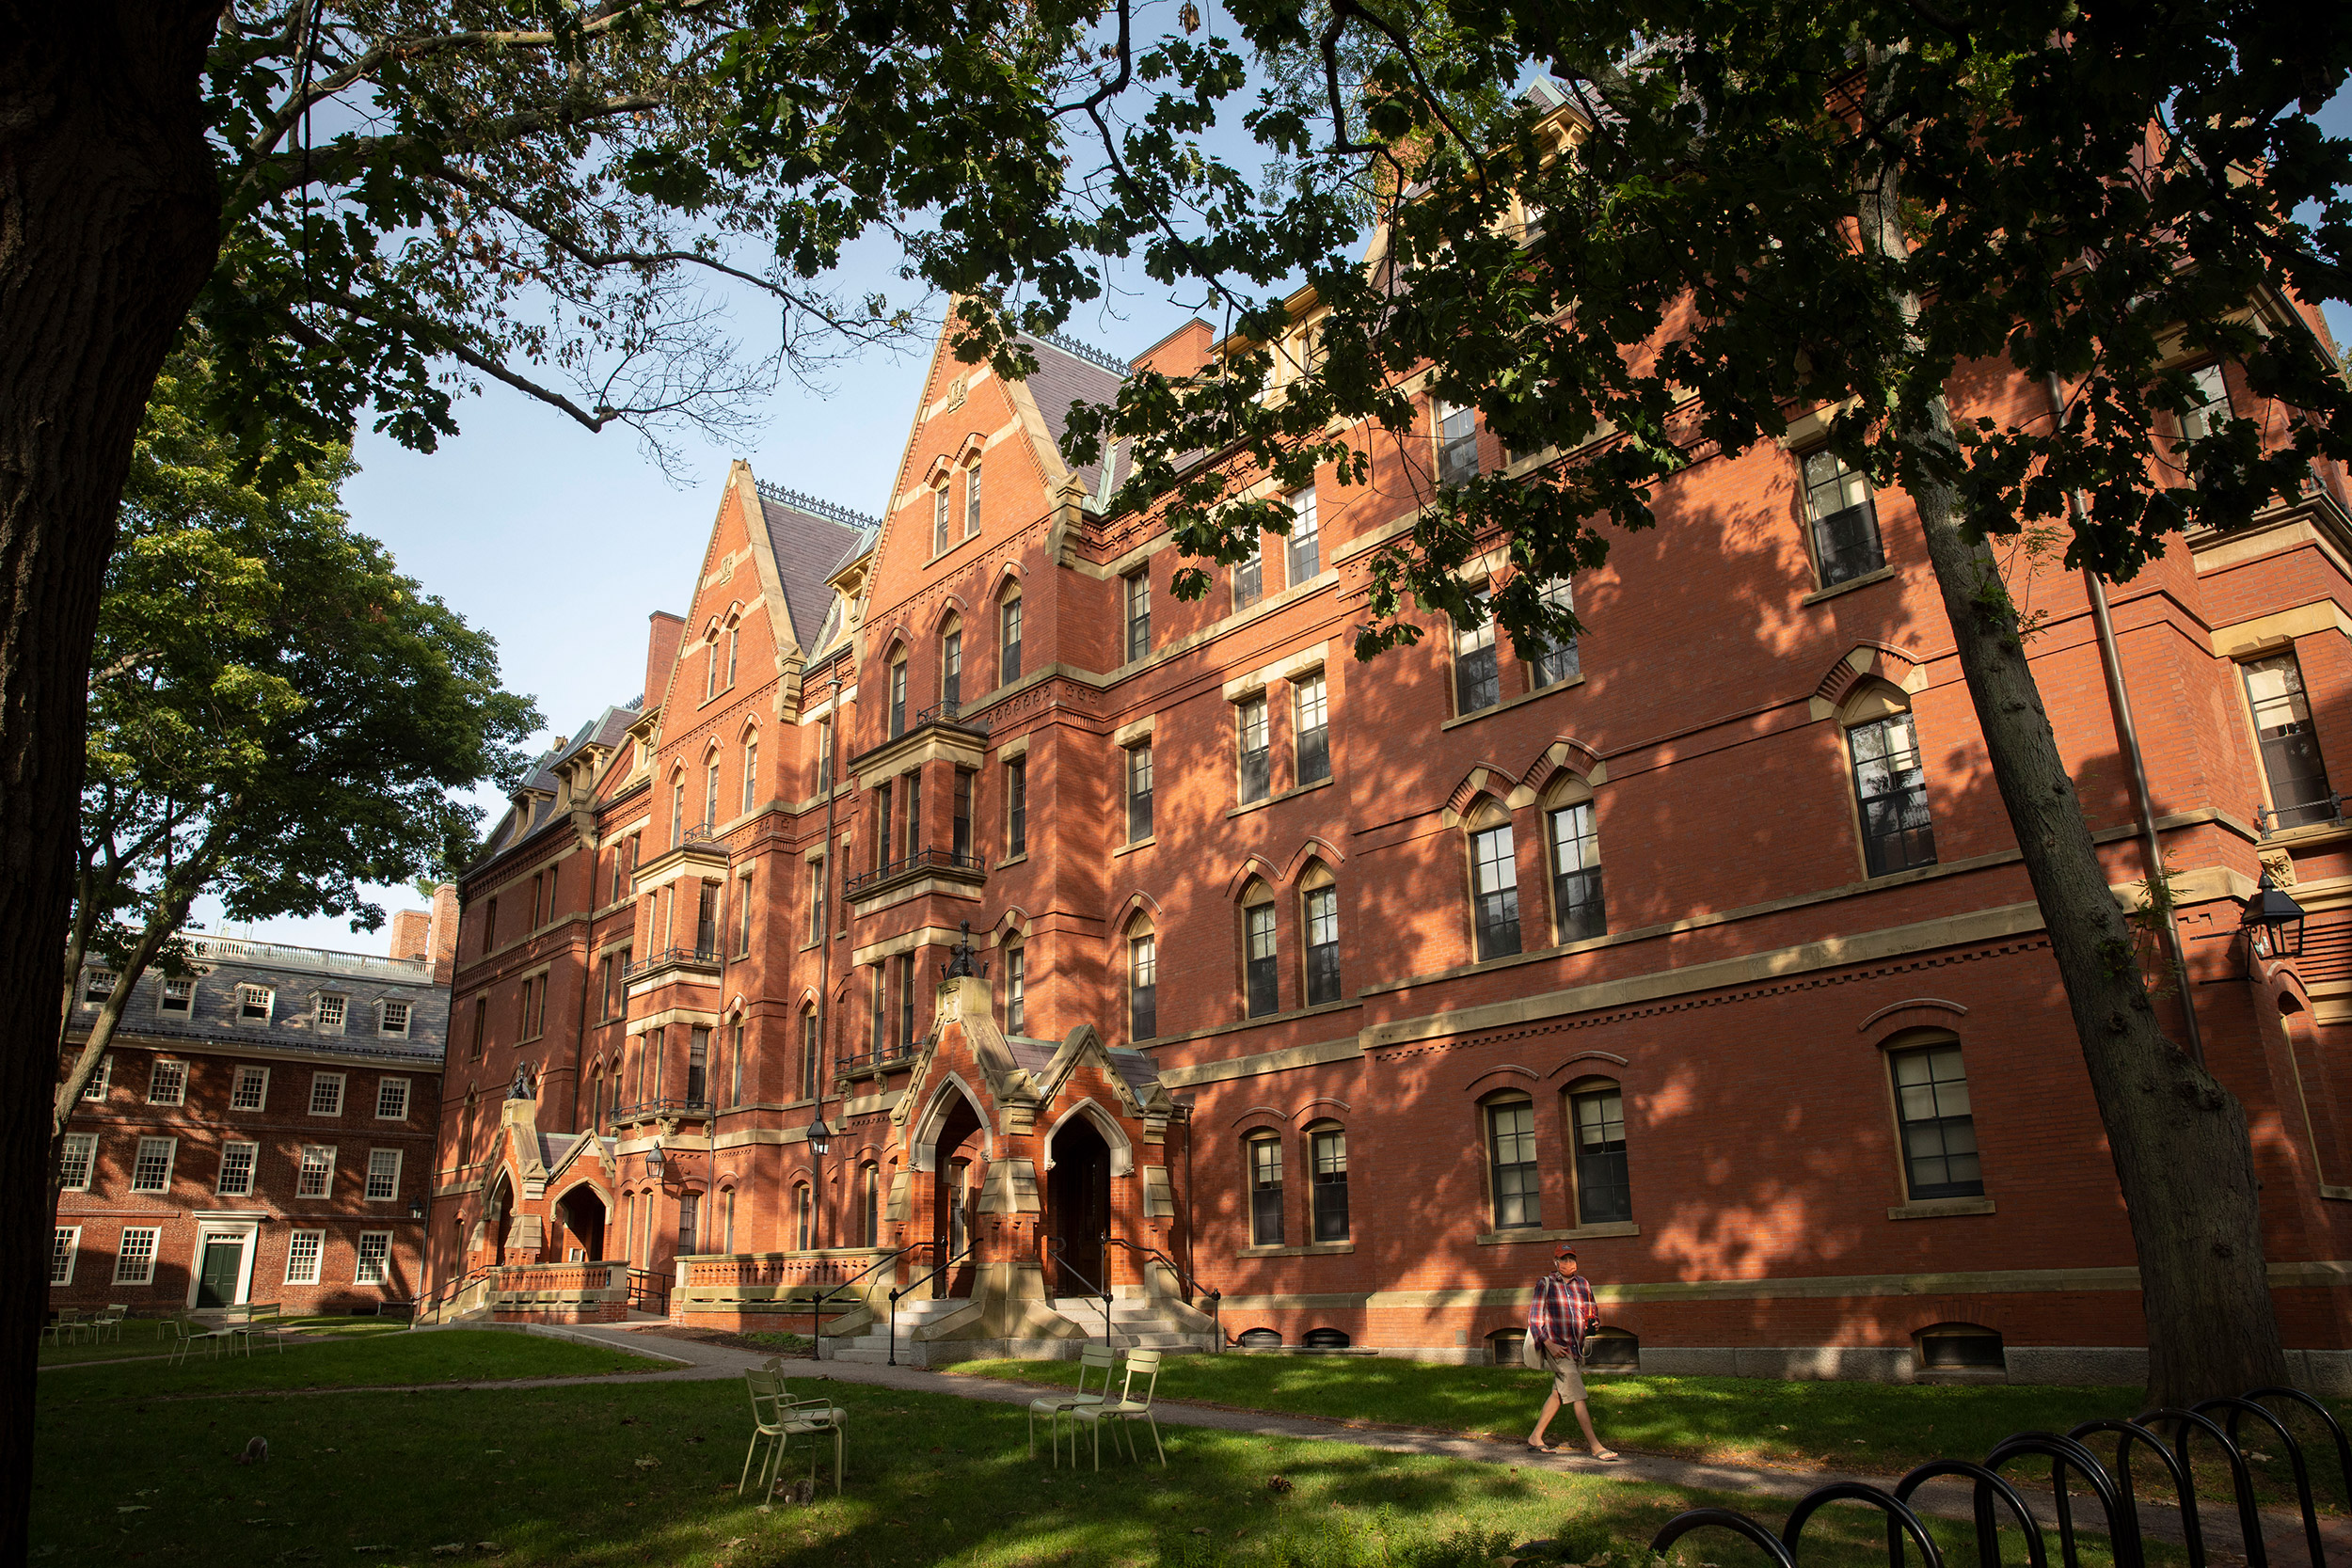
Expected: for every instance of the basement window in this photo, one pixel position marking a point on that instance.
(1960, 1347)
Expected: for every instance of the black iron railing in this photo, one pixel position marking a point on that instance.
(2072, 1463)
(649, 1292)
(1059, 1265)
(909, 1288)
(933, 859)
(1192, 1286)
(948, 713)
(683, 957)
(704, 836)
(646, 1110)
(868, 1062)
(2304, 814)
(450, 1291)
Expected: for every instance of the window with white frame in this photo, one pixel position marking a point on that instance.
(1494, 884)
(1511, 1161)
(318, 1170)
(63, 1250)
(1311, 728)
(392, 1099)
(383, 1175)
(375, 1253)
(1265, 1189)
(326, 1094)
(135, 1255)
(251, 1090)
(2211, 408)
(1477, 677)
(236, 1169)
(330, 1012)
(303, 1249)
(151, 1171)
(1846, 543)
(99, 1080)
(1306, 542)
(971, 500)
(1257, 773)
(255, 1004)
(179, 996)
(1556, 661)
(939, 519)
(79, 1159)
(1250, 577)
(1136, 597)
(97, 987)
(168, 1082)
(1457, 445)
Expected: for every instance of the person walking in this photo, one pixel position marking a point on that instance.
(1562, 1315)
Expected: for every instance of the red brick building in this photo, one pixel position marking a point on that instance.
(1348, 989)
(263, 1131)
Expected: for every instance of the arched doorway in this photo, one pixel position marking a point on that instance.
(582, 1214)
(1078, 1206)
(495, 1212)
(955, 1196)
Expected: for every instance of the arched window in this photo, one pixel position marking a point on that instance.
(1604, 1194)
(972, 499)
(710, 664)
(735, 1066)
(711, 791)
(808, 1052)
(1261, 973)
(951, 666)
(898, 693)
(1009, 637)
(1512, 1174)
(751, 770)
(1319, 927)
(677, 808)
(803, 1217)
(1143, 980)
(727, 1209)
(1262, 1156)
(1016, 988)
(870, 1205)
(734, 639)
(1572, 838)
(1494, 882)
(1936, 1121)
(595, 1115)
(1890, 786)
(1326, 1158)
(939, 517)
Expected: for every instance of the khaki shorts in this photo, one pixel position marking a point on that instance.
(1568, 1378)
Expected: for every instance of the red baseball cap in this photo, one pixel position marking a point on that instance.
(1563, 1251)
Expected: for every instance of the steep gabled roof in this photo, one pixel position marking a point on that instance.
(1070, 373)
(810, 539)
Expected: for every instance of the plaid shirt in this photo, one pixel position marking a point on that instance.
(1563, 1312)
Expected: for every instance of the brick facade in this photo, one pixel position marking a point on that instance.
(1727, 1006)
(243, 1143)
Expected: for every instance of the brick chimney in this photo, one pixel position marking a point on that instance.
(442, 938)
(1181, 353)
(413, 934)
(661, 653)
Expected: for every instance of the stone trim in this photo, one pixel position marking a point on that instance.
(1940, 1208)
(1574, 1234)
(1264, 1062)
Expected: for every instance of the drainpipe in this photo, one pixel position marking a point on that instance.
(829, 766)
(2127, 738)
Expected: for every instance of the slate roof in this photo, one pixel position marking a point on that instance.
(810, 546)
(1034, 1056)
(294, 975)
(609, 729)
(1065, 376)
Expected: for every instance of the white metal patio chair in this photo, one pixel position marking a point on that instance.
(1056, 1405)
(777, 1418)
(1126, 1409)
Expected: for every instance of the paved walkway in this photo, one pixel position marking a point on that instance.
(1943, 1498)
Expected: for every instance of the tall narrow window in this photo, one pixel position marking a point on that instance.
(1016, 990)
(1846, 543)
(1263, 973)
(2290, 749)
(1017, 806)
(914, 813)
(1327, 1148)
(971, 518)
(707, 918)
(1603, 1193)
(1256, 772)
(805, 1218)
(1311, 728)
(816, 900)
(951, 672)
(1477, 677)
(2212, 407)
(481, 1025)
(1891, 789)
(1495, 891)
(734, 639)
(869, 1175)
(729, 1243)
(808, 1052)
(1939, 1130)
(697, 1065)
(959, 835)
(899, 696)
(710, 794)
(1137, 588)
(1556, 660)
(885, 823)
(939, 520)
(743, 914)
(1143, 987)
(1320, 908)
(735, 1066)
(1250, 578)
(824, 754)
(1457, 445)
(1265, 1190)
(1577, 902)
(1306, 541)
(882, 1009)
(490, 926)
(1009, 641)
(1139, 793)
(1511, 1153)
(677, 811)
(906, 1003)
(751, 771)
(710, 666)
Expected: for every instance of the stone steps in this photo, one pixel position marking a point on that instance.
(1136, 1323)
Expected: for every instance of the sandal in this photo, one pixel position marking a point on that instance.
(1543, 1448)
(1608, 1456)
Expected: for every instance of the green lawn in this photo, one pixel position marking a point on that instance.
(144, 1336)
(451, 1355)
(1871, 1427)
(644, 1474)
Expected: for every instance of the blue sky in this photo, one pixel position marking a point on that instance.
(559, 543)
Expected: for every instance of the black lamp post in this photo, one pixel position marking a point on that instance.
(2273, 922)
(655, 1160)
(416, 1207)
(820, 1135)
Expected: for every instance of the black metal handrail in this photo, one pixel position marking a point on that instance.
(910, 1287)
(712, 956)
(948, 712)
(450, 1291)
(1055, 1245)
(645, 1109)
(2069, 1454)
(829, 1294)
(706, 834)
(2266, 819)
(1192, 1286)
(873, 1061)
(929, 859)
(649, 1285)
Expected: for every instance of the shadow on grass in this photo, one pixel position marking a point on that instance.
(453, 1355)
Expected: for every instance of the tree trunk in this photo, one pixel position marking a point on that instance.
(108, 225)
(2177, 1136)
